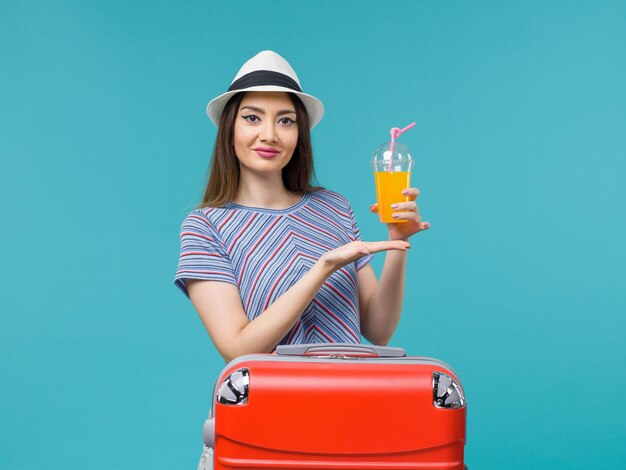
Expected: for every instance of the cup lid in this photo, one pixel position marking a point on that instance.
(401, 153)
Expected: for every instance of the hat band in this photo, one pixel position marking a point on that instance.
(264, 77)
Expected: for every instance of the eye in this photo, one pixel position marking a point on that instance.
(251, 118)
(286, 121)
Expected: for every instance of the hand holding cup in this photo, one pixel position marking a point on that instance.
(406, 212)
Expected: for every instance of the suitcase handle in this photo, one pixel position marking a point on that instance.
(339, 350)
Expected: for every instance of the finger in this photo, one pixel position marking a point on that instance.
(406, 206)
(374, 207)
(407, 216)
(375, 247)
(424, 225)
(411, 193)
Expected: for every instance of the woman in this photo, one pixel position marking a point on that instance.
(268, 259)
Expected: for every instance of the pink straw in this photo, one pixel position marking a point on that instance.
(395, 133)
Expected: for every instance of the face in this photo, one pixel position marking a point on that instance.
(265, 132)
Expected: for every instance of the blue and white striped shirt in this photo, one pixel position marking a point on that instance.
(265, 251)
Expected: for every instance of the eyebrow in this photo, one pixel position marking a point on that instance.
(260, 111)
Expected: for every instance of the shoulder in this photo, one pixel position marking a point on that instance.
(204, 218)
(332, 207)
(196, 217)
(331, 197)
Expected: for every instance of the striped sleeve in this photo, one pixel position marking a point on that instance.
(202, 253)
(357, 236)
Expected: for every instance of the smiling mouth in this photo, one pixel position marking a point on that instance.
(266, 152)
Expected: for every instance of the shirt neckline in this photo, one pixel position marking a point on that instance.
(287, 210)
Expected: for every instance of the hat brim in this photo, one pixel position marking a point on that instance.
(314, 107)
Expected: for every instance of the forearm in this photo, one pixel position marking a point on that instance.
(385, 306)
(264, 332)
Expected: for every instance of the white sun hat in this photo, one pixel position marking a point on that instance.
(266, 71)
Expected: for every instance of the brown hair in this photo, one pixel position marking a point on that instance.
(224, 170)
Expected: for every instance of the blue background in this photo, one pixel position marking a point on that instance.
(520, 143)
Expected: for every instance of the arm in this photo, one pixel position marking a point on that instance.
(219, 306)
(223, 316)
(381, 302)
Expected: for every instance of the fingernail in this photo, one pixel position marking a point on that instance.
(395, 216)
(405, 192)
(395, 206)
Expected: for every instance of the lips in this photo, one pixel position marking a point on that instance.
(266, 152)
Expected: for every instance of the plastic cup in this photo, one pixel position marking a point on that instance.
(392, 175)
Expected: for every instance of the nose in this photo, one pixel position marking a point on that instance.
(268, 132)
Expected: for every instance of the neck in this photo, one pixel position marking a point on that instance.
(267, 192)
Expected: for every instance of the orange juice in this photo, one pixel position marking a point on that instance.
(389, 187)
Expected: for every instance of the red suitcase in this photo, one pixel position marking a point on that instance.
(337, 406)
